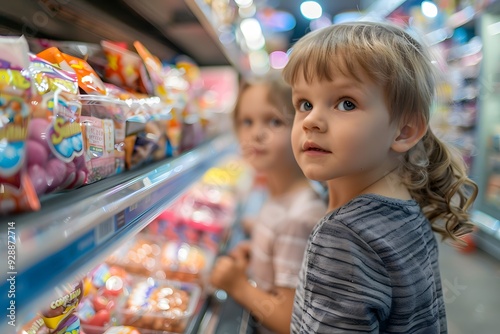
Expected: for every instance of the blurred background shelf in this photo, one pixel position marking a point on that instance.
(72, 234)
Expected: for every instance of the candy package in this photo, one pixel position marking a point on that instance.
(88, 80)
(17, 193)
(35, 326)
(153, 78)
(55, 144)
(103, 129)
(123, 66)
(60, 316)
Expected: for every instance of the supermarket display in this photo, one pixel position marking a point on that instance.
(151, 264)
(81, 130)
(70, 129)
(101, 143)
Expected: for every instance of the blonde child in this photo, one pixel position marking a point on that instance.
(362, 93)
(263, 122)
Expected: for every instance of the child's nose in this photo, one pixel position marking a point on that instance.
(260, 133)
(314, 121)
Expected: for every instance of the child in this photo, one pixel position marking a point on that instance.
(263, 122)
(362, 93)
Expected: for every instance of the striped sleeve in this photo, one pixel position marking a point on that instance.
(349, 282)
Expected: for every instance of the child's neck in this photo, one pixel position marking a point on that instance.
(285, 182)
(342, 190)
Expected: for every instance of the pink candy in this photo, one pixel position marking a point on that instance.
(47, 172)
(36, 153)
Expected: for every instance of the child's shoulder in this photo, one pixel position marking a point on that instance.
(371, 215)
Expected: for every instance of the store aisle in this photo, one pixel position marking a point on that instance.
(471, 285)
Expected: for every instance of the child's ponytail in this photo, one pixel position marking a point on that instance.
(437, 180)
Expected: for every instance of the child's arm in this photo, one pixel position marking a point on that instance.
(273, 310)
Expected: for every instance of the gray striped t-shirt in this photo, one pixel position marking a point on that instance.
(371, 266)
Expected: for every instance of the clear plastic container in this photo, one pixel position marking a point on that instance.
(157, 306)
(139, 256)
(155, 256)
(103, 128)
(185, 262)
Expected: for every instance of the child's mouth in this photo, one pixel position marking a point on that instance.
(314, 148)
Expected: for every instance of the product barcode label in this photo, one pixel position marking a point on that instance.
(104, 230)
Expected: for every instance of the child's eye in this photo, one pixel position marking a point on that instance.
(346, 105)
(276, 122)
(305, 106)
(246, 122)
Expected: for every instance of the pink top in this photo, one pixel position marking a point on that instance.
(279, 237)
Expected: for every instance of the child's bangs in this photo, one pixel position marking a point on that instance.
(328, 53)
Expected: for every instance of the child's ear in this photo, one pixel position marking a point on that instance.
(408, 135)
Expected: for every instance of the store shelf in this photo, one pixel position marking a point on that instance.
(75, 231)
(487, 236)
(231, 50)
(485, 222)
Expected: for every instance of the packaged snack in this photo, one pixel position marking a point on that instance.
(59, 317)
(141, 147)
(147, 135)
(103, 130)
(55, 143)
(35, 326)
(70, 325)
(138, 257)
(184, 262)
(158, 305)
(106, 288)
(153, 79)
(174, 130)
(88, 80)
(18, 193)
(123, 66)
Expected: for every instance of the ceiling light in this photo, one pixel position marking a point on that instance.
(429, 9)
(247, 11)
(256, 44)
(311, 10)
(244, 3)
(251, 29)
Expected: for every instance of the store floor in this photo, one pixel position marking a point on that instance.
(471, 285)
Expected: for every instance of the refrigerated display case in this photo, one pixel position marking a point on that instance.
(74, 232)
(486, 169)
